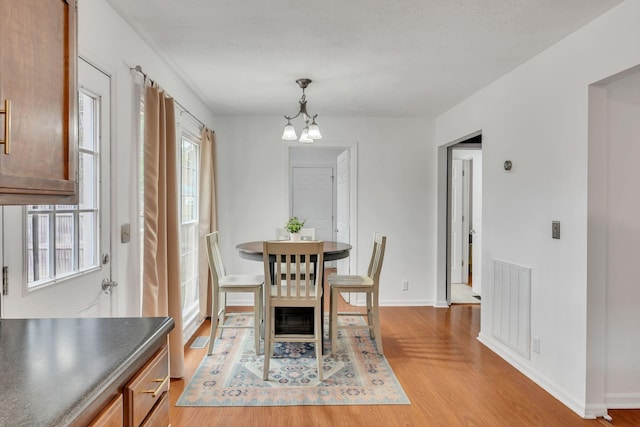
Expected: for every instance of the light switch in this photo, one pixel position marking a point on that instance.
(125, 233)
(555, 229)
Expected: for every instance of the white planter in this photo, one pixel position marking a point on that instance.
(294, 237)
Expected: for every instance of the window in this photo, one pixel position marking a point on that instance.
(189, 183)
(64, 239)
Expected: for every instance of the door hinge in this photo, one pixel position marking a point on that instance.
(462, 263)
(5, 280)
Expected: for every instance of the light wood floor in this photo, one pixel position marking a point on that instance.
(450, 378)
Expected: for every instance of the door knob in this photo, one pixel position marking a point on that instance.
(108, 285)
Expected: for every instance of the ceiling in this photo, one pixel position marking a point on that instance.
(367, 58)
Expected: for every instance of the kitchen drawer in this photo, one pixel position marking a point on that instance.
(146, 389)
(159, 416)
(111, 416)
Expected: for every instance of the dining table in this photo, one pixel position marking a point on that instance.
(295, 320)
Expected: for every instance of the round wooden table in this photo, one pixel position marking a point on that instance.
(332, 250)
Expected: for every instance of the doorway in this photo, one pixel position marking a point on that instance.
(464, 222)
(612, 236)
(322, 191)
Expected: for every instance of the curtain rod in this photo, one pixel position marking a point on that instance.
(138, 68)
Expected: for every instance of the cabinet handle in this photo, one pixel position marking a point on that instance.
(7, 126)
(154, 393)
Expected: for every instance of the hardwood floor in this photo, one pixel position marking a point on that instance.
(450, 378)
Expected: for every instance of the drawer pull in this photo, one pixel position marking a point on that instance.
(7, 126)
(154, 393)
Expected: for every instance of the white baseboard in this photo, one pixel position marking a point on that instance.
(550, 387)
(622, 400)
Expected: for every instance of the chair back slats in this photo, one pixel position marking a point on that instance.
(295, 258)
(375, 265)
(215, 258)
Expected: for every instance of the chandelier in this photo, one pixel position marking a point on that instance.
(311, 131)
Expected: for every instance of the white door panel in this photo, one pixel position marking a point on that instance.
(456, 221)
(313, 199)
(466, 218)
(80, 294)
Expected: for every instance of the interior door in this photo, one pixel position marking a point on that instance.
(312, 199)
(343, 184)
(28, 232)
(456, 221)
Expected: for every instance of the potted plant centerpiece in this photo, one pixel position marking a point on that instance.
(293, 227)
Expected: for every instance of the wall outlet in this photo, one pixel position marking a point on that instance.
(405, 285)
(536, 345)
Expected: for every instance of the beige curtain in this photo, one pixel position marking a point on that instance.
(208, 217)
(161, 280)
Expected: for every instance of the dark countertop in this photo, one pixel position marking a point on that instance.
(58, 372)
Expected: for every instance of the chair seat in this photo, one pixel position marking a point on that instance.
(241, 280)
(349, 280)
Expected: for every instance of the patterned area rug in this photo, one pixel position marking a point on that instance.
(232, 376)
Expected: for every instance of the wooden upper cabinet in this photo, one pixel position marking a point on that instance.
(38, 72)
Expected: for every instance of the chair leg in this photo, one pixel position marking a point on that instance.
(376, 324)
(268, 350)
(370, 316)
(222, 308)
(214, 326)
(318, 340)
(256, 318)
(333, 319)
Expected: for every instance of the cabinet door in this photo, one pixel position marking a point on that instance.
(111, 416)
(38, 77)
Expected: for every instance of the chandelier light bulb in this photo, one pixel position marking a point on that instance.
(304, 137)
(289, 133)
(314, 130)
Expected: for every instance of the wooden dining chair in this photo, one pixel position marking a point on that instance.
(369, 285)
(223, 283)
(291, 288)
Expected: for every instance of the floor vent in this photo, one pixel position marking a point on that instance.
(200, 342)
(512, 306)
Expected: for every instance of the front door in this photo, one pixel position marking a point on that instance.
(57, 256)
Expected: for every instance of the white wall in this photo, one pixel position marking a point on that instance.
(396, 181)
(537, 117)
(107, 41)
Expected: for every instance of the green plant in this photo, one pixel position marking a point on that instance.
(294, 225)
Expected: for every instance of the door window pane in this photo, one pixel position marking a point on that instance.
(88, 240)
(189, 155)
(38, 247)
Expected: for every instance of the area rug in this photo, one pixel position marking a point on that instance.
(232, 375)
